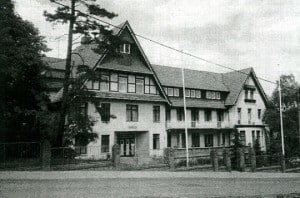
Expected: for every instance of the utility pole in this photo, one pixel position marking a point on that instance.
(66, 82)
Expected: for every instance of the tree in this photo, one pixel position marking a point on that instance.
(22, 94)
(289, 89)
(104, 41)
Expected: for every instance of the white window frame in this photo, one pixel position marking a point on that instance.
(125, 48)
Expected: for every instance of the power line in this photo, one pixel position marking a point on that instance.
(167, 46)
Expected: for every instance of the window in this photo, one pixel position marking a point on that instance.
(207, 113)
(82, 108)
(104, 143)
(243, 138)
(114, 85)
(198, 94)
(139, 85)
(152, 87)
(195, 115)
(123, 84)
(246, 94)
(223, 139)
(183, 142)
(193, 93)
(156, 113)
(195, 139)
(213, 95)
(156, 141)
(132, 113)
(105, 112)
(96, 84)
(259, 113)
(104, 82)
(258, 136)
(252, 94)
(168, 114)
(176, 92)
(170, 92)
(253, 138)
(187, 93)
(131, 84)
(249, 116)
(209, 140)
(239, 115)
(180, 114)
(169, 137)
(125, 48)
(220, 115)
(218, 95)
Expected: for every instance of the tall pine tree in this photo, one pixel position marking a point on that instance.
(81, 22)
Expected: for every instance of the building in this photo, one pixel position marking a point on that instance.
(146, 102)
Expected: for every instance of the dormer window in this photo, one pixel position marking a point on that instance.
(125, 48)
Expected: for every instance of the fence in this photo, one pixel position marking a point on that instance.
(20, 155)
(292, 163)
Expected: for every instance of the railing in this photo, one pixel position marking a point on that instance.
(267, 160)
(20, 154)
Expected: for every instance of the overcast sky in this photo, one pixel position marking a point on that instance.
(239, 34)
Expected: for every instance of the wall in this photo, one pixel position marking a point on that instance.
(145, 124)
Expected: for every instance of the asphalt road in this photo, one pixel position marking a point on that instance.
(149, 187)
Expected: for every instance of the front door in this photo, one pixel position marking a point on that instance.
(127, 144)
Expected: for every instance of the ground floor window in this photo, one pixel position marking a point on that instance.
(209, 140)
(195, 139)
(156, 141)
(243, 137)
(104, 143)
(80, 150)
(169, 140)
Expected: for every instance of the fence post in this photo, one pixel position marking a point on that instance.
(215, 160)
(46, 155)
(282, 163)
(241, 159)
(253, 159)
(227, 159)
(116, 155)
(172, 159)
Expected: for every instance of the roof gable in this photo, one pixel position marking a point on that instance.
(235, 82)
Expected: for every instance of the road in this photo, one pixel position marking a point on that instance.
(141, 185)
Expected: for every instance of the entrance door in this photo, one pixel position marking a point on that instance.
(127, 144)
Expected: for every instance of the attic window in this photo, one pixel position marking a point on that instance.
(125, 48)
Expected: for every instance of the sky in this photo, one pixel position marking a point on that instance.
(263, 34)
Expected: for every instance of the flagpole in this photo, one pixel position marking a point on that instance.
(185, 119)
(281, 121)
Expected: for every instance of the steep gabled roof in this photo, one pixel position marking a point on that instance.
(171, 76)
(235, 82)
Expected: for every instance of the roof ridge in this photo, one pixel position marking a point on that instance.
(188, 69)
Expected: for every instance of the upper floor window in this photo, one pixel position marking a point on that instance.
(125, 48)
(105, 112)
(251, 94)
(220, 115)
(132, 112)
(246, 94)
(259, 113)
(193, 93)
(249, 115)
(156, 113)
(239, 111)
(125, 83)
(180, 114)
(170, 91)
(207, 113)
(213, 95)
(82, 108)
